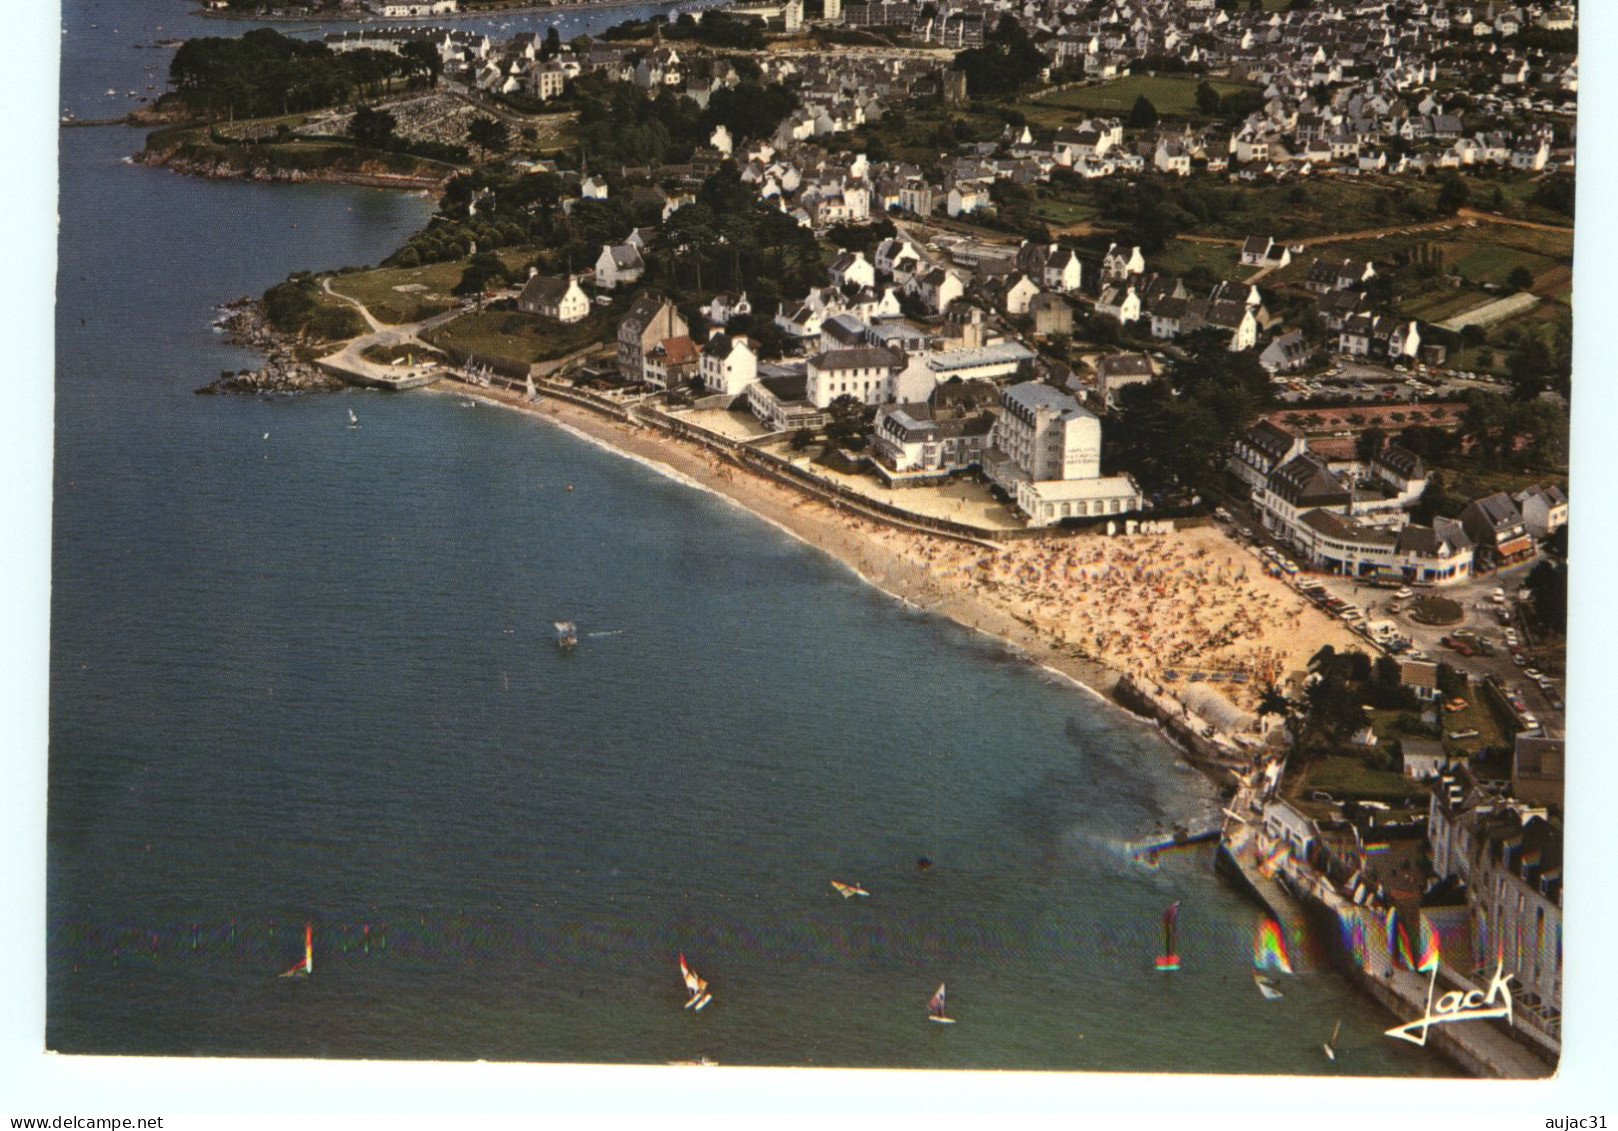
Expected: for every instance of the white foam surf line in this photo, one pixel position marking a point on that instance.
(1021, 651)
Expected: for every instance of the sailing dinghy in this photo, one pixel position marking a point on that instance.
(1170, 958)
(307, 966)
(697, 985)
(848, 890)
(1329, 1047)
(935, 1008)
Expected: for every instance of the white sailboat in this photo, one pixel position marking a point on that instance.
(697, 985)
(935, 1008)
(353, 421)
(567, 634)
(1266, 987)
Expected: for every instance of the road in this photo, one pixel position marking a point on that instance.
(1480, 618)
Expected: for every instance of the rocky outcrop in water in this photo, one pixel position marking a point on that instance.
(242, 323)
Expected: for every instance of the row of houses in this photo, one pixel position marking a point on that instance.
(1348, 518)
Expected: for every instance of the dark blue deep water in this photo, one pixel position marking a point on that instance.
(311, 678)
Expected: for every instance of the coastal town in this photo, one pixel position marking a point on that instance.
(1216, 355)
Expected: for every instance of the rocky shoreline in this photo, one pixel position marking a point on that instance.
(283, 372)
(224, 169)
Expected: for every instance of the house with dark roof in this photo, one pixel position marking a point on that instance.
(1509, 856)
(557, 297)
(651, 320)
(1497, 529)
(865, 373)
(617, 265)
(1260, 450)
(729, 364)
(671, 363)
(917, 441)
(1115, 371)
(1544, 509)
(779, 398)
(1286, 353)
(1440, 554)
(1303, 483)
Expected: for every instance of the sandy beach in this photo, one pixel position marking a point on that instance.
(1089, 607)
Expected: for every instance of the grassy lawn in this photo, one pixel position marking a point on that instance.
(1180, 256)
(1173, 95)
(409, 294)
(1061, 211)
(524, 338)
(1348, 776)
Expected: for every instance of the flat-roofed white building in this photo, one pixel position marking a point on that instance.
(1045, 452)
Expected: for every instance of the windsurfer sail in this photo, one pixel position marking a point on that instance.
(307, 966)
(1170, 958)
(1329, 1048)
(848, 890)
(1266, 987)
(353, 421)
(567, 634)
(696, 985)
(935, 1008)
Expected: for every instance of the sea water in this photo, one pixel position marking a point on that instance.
(307, 673)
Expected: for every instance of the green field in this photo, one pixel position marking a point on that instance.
(524, 338)
(1180, 256)
(425, 290)
(1349, 776)
(1173, 95)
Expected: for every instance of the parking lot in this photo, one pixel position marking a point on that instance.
(1489, 640)
(1373, 384)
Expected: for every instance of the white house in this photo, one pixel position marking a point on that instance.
(866, 374)
(557, 297)
(964, 199)
(852, 267)
(729, 364)
(617, 265)
(1544, 510)
(1019, 294)
(725, 306)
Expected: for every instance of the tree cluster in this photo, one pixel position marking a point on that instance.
(1172, 433)
(264, 72)
(1007, 61)
(618, 123)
